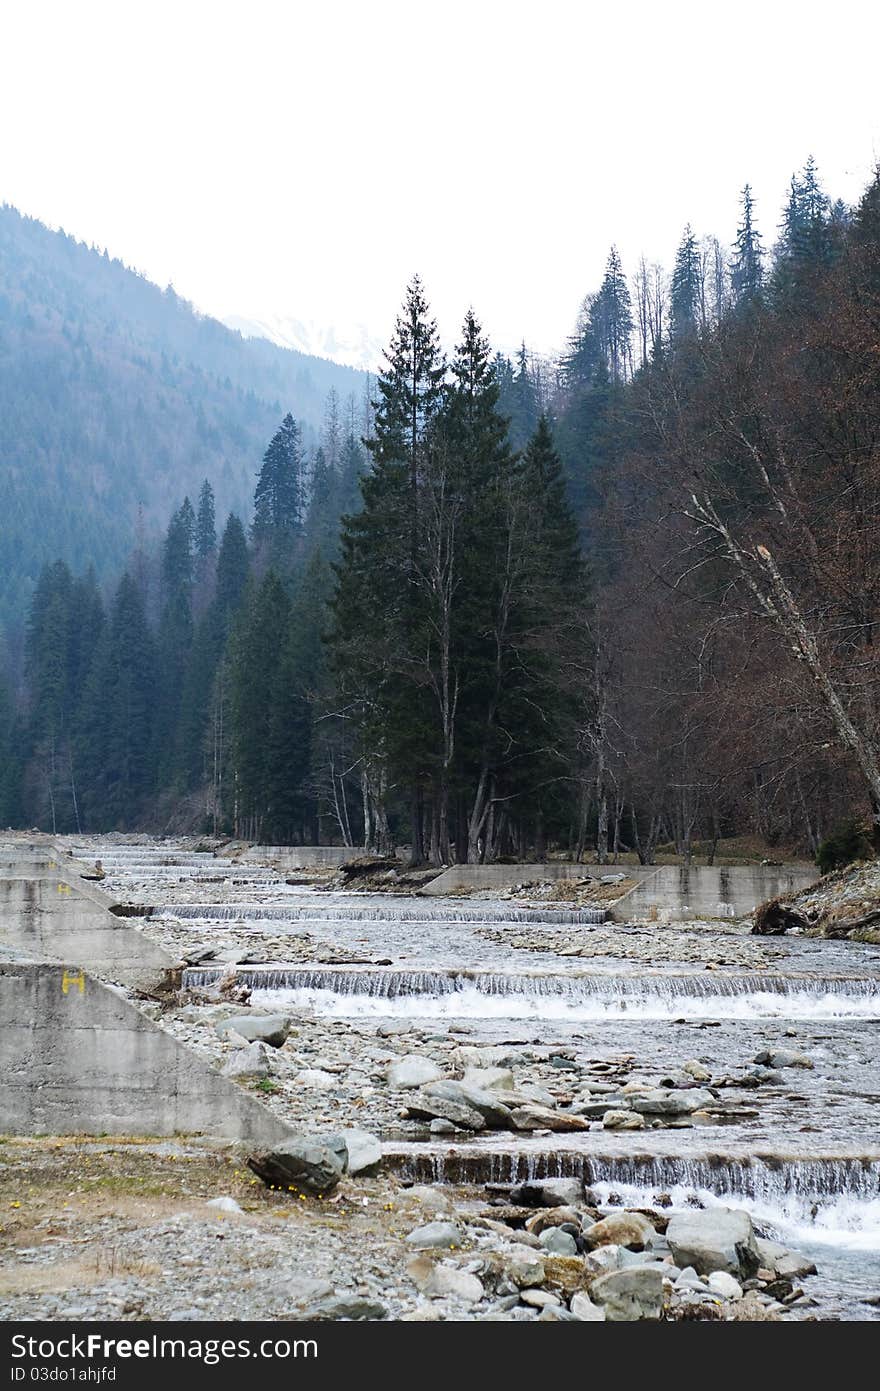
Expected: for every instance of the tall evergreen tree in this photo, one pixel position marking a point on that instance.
(611, 320)
(279, 497)
(684, 295)
(747, 271)
(206, 526)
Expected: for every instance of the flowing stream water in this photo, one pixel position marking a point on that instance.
(804, 1159)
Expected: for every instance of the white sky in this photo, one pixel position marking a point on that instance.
(287, 159)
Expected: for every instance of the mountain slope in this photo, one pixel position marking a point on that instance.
(116, 396)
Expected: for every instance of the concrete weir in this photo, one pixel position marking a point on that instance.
(79, 1058)
(77, 1055)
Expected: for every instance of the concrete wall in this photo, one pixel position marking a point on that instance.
(284, 857)
(77, 1057)
(52, 915)
(501, 877)
(677, 892)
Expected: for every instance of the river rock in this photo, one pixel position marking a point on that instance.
(694, 1068)
(427, 1107)
(493, 1111)
(623, 1120)
(492, 1079)
(534, 1117)
(263, 1028)
(448, 1282)
(558, 1242)
(314, 1165)
(782, 1057)
(670, 1103)
(413, 1071)
(224, 1204)
(628, 1229)
(722, 1283)
(364, 1151)
(424, 1196)
(347, 1306)
(525, 1269)
(631, 1294)
(783, 1262)
(585, 1310)
(247, 1064)
(539, 1299)
(603, 1259)
(434, 1235)
(549, 1192)
(440, 1126)
(317, 1078)
(714, 1239)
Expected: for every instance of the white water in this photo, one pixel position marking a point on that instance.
(841, 1219)
(471, 1003)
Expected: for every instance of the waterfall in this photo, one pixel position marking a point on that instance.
(834, 1199)
(387, 912)
(487, 994)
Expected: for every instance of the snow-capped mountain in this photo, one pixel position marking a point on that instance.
(352, 346)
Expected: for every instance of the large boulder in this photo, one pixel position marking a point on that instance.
(312, 1164)
(247, 1064)
(413, 1071)
(493, 1111)
(783, 1262)
(628, 1229)
(433, 1235)
(717, 1238)
(782, 1057)
(549, 1192)
(627, 1295)
(364, 1151)
(263, 1028)
(658, 1102)
(426, 1107)
(489, 1079)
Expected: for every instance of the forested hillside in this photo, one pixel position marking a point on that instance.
(629, 601)
(115, 399)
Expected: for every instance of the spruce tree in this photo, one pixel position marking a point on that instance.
(747, 272)
(611, 320)
(377, 617)
(206, 528)
(684, 294)
(279, 498)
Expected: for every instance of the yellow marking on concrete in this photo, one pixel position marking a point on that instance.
(67, 980)
(64, 889)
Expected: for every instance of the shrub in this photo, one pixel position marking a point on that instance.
(847, 842)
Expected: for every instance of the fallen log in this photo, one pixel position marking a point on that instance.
(774, 918)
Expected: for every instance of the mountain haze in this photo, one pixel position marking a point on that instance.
(116, 399)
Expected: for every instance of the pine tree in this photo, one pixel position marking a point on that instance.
(206, 529)
(260, 636)
(611, 320)
(115, 736)
(684, 295)
(279, 497)
(174, 642)
(379, 560)
(199, 757)
(747, 272)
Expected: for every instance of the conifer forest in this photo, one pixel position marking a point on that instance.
(494, 607)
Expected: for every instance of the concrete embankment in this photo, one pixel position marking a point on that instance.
(678, 892)
(77, 1056)
(665, 892)
(49, 914)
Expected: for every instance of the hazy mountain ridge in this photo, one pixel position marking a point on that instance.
(116, 395)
